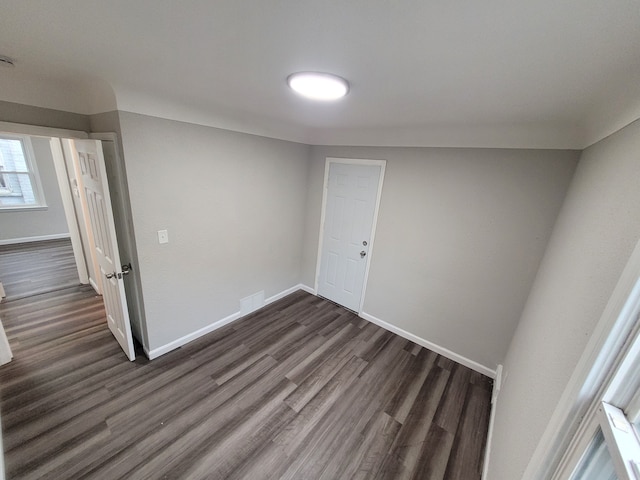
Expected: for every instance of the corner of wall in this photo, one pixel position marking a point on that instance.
(497, 385)
(312, 218)
(445, 352)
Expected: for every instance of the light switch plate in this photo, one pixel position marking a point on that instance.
(163, 236)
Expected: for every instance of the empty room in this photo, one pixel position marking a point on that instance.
(320, 240)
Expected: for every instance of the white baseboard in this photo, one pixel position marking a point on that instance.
(156, 352)
(497, 385)
(5, 350)
(39, 238)
(431, 346)
(282, 294)
(306, 288)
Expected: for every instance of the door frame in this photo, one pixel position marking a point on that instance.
(119, 192)
(325, 188)
(69, 211)
(55, 134)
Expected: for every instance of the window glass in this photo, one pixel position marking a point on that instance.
(597, 463)
(19, 184)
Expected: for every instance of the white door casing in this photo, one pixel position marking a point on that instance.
(94, 182)
(77, 242)
(350, 204)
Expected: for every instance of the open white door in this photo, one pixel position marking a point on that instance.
(96, 190)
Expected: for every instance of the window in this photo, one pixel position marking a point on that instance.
(601, 397)
(613, 452)
(622, 441)
(20, 186)
(597, 462)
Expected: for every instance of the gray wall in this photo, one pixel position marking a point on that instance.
(234, 206)
(44, 117)
(459, 239)
(596, 231)
(105, 122)
(34, 223)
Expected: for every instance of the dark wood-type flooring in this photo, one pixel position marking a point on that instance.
(31, 268)
(301, 389)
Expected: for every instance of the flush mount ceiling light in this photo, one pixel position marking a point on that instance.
(318, 86)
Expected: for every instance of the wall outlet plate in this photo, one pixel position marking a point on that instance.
(163, 236)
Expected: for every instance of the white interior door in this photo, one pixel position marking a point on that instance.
(81, 214)
(96, 189)
(350, 204)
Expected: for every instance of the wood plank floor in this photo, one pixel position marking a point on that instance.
(31, 268)
(301, 389)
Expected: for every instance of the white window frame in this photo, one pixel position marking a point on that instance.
(618, 408)
(622, 441)
(34, 176)
(611, 409)
(603, 373)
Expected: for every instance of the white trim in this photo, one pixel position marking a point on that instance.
(156, 352)
(633, 408)
(562, 442)
(32, 172)
(307, 289)
(323, 214)
(106, 136)
(497, 385)
(69, 210)
(282, 294)
(38, 131)
(619, 433)
(25, 208)
(39, 238)
(95, 286)
(350, 161)
(445, 352)
(5, 354)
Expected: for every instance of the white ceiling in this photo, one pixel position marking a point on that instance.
(537, 73)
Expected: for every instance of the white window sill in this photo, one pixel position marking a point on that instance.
(26, 208)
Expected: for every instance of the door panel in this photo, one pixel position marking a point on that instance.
(96, 193)
(350, 200)
(82, 214)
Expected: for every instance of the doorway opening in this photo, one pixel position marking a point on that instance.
(78, 166)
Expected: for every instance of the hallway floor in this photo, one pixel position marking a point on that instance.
(31, 268)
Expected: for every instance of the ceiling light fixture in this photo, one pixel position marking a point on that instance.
(6, 61)
(318, 86)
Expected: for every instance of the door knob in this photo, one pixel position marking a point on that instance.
(363, 254)
(126, 269)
